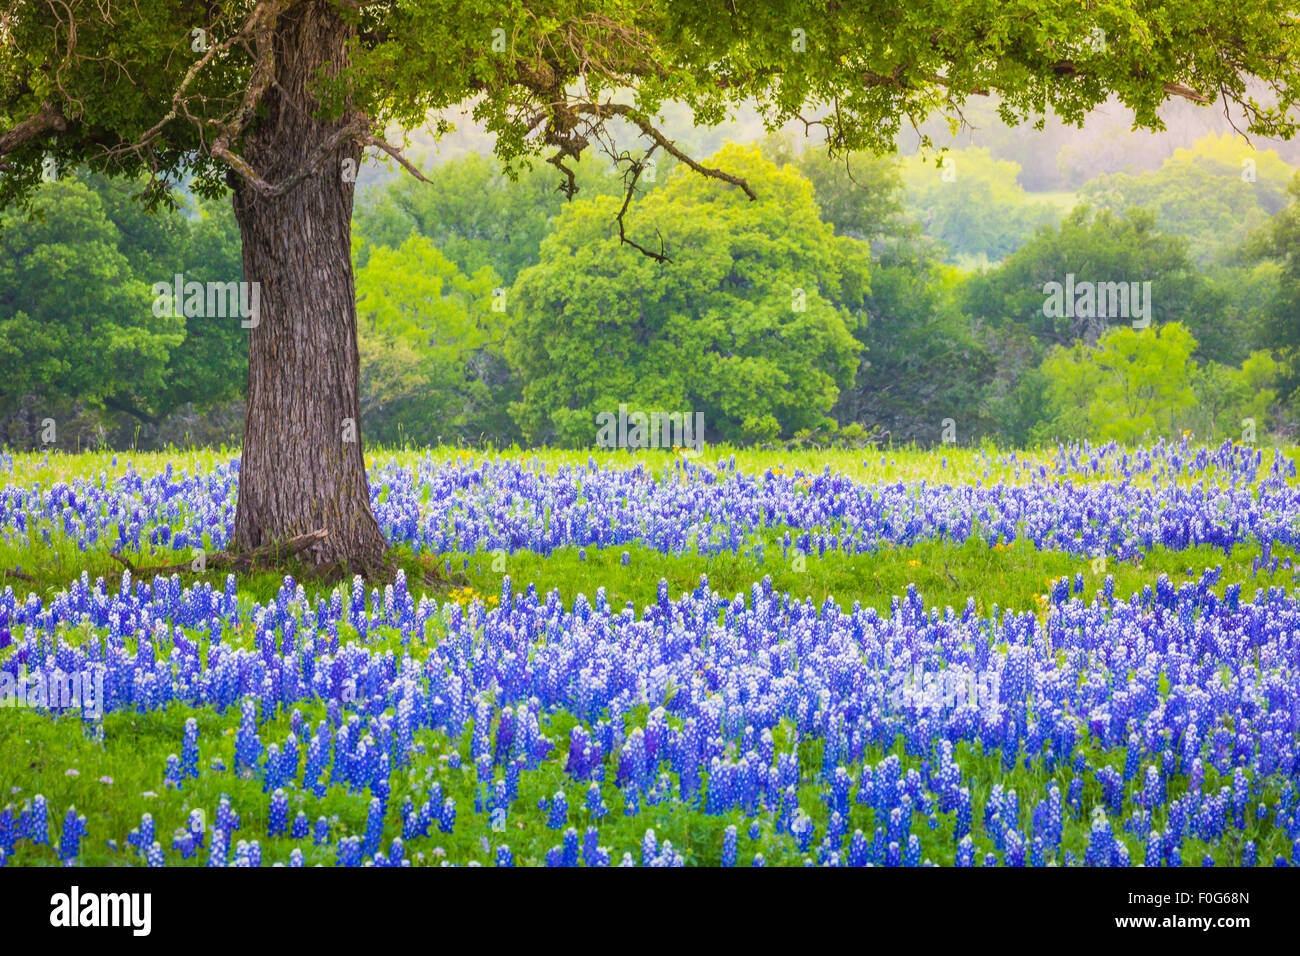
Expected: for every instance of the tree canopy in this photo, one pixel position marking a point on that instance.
(170, 89)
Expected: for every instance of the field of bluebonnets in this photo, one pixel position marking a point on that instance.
(1080, 656)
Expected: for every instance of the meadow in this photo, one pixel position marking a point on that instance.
(1084, 655)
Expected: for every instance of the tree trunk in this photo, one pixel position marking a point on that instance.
(302, 466)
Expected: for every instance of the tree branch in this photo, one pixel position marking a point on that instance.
(125, 407)
(635, 170)
(381, 143)
(602, 110)
(267, 190)
(45, 121)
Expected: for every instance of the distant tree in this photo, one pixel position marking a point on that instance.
(1282, 329)
(1227, 397)
(1133, 384)
(1215, 194)
(921, 362)
(740, 324)
(1230, 313)
(75, 323)
(477, 215)
(860, 194)
(153, 242)
(1031, 145)
(210, 365)
(429, 341)
(1094, 247)
(972, 203)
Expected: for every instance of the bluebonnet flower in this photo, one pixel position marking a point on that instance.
(559, 811)
(649, 847)
(74, 828)
(1101, 844)
(190, 749)
(183, 841)
(965, 852)
(912, 854)
(220, 848)
(349, 852)
(729, 846)
(447, 816)
(248, 746)
(173, 775)
(142, 837)
(374, 828)
(227, 819)
(35, 823)
(569, 852)
(595, 804)
(277, 821)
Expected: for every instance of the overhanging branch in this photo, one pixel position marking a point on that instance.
(633, 175)
(603, 110)
(49, 119)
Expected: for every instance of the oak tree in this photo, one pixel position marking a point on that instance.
(276, 100)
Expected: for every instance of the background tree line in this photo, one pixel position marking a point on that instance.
(862, 298)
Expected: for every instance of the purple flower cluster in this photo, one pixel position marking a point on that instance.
(1082, 499)
(1156, 720)
(1182, 678)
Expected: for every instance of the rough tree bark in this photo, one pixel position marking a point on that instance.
(302, 466)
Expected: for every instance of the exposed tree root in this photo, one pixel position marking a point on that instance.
(266, 557)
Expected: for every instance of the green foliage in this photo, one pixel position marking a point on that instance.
(860, 194)
(879, 67)
(921, 362)
(211, 364)
(1282, 333)
(479, 216)
(1216, 193)
(77, 324)
(1227, 397)
(106, 237)
(1096, 246)
(1134, 384)
(429, 342)
(972, 203)
(740, 324)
